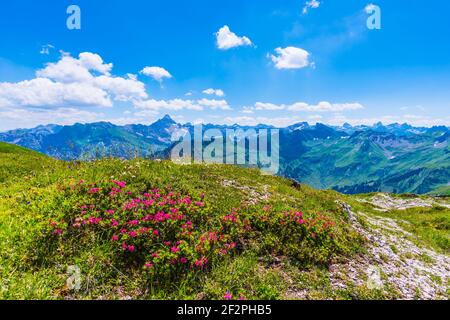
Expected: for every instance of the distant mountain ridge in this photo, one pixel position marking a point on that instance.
(395, 158)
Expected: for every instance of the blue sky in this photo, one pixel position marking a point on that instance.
(274, 62)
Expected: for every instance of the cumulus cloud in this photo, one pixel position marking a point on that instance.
(121, 89)
(156, 73)
(214, 104)
(44, 93)
(279, 122)
(312, 4)
(268, 106)
(32, 118)
(323, 106)
(217, 92)
(174, 104)
(290, 58)
(181, 104)
(226, 39)
(72, 82)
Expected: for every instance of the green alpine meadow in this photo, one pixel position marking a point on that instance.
(144, 229)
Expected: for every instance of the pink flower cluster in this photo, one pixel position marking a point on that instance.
(164, 228)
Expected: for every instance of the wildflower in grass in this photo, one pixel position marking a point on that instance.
(133, 234)
(187, 225)
(58, 232)
(183, 260)
(114, 223)
(94, 220)
(155, 232)
(143, 230)
(131, 248)
(231, 218)
(133, 222)
(110, 212)
(120, 184)
(115, 238)
(148, 203)
(155, 255)
(94, 190)
(200, 263)
(175, 249)
(148, 265)
(228, 296)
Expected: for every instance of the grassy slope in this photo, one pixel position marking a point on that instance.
(29, 194)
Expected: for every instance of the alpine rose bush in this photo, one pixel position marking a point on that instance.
(168, 233)
(165, 232)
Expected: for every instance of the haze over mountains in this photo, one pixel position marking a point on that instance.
(395, 158)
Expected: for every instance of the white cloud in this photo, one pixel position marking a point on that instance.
(217, 92)
(66, 70)
(92, 61)
(122, 89)
(214, 104)
(325, 106)
(226, 39)
(302, 106)
(268, 106)
(290, 58)
(279, 122)
(156, 73)
(72, 82)
(175, 104)
(44, 93)
(181, 104)
(32, 118)
(69, 69)
(248, 110)
(312, 4)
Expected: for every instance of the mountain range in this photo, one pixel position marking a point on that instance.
(396, 158)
